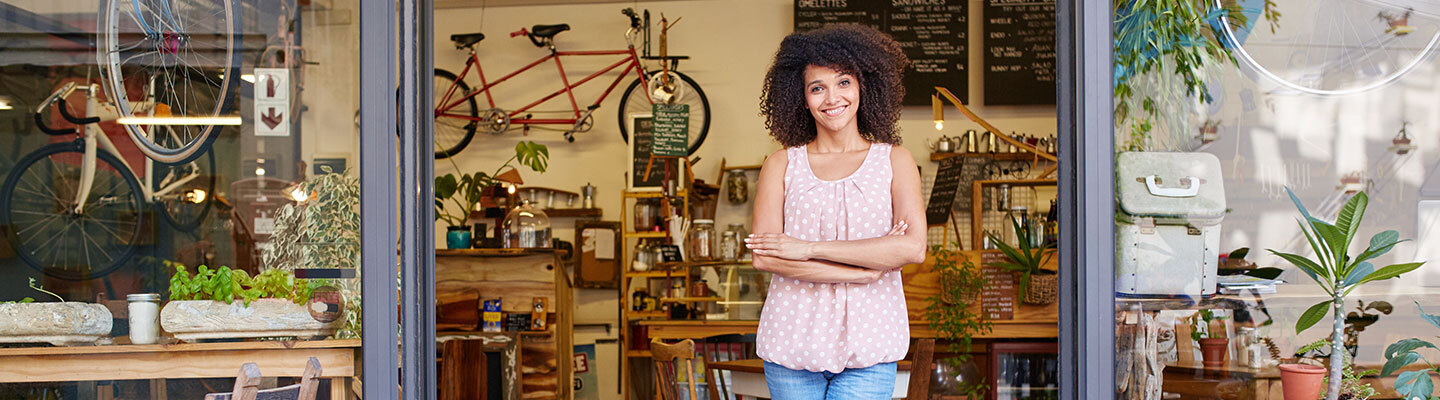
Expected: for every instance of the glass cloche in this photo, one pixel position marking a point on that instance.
(527, 227)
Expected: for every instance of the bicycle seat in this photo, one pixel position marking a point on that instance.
(548, 31)
(466, 39)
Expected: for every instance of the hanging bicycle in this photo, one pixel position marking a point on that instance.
(75, 208)
(457, 116)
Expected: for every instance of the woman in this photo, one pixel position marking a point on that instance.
(833, 212)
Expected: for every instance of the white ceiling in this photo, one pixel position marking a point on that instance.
(507, 3)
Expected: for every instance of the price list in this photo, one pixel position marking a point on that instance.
(997, 299)
(932, 33)
(1019, 52)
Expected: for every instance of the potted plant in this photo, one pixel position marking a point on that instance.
(467, 190)
(1037, 285)
(321, 229)
(1213, 343)
(227, 303)
(1338, 272)
(952, 312)
(59, 323)
(1415, 383)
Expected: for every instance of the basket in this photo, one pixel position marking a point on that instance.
(1044, 289)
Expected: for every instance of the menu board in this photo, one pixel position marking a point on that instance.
(1019, 52)
(933, 33)
(942, 193)
(671, 131)
(641, 142)
(997, 298)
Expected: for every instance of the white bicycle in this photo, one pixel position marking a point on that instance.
(1335, 47)
(75, 210)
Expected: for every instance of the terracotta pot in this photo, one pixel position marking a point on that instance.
(1301, 381)
(1213, 351)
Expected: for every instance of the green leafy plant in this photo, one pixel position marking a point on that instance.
(1200, 326)
(41, 289)
(1176, 35)
(1417, 383)
(1026, 259)
(950, 310)
(321, 228)
(225, 285)
(467, 189)
(1337, 272)
(1351, 386)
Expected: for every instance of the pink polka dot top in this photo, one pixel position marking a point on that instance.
(830, 327)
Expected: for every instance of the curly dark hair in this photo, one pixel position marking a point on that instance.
(872, 57)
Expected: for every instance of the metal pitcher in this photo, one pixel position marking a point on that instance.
(971, 142)
(943, 145)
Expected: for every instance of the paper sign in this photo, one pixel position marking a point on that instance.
(272, 102)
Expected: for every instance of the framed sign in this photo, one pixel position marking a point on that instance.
(642, 147)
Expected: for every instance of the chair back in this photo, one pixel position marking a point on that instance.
(667, 358)
(724, 348)
(922, 368)
(247, 385)
(463, 370)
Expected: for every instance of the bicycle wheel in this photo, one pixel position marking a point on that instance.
(637, 101)
(181, 57)
(452, 132)
(183, 191)
(1334, 47)
(37, 203)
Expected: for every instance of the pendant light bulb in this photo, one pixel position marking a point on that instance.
(938, 110)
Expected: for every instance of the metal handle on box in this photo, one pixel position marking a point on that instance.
(1191, 191)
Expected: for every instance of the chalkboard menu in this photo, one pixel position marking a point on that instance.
(1019, 52)
(641, 142)
(933, 34)
(671, 130)
(997, 297)
(942, 193)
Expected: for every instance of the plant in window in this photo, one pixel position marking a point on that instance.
(321, 229)
(1212, 340)
(1416, 383)
(951, 312)
(1173, 35)
(1038, 285)
(1338, 272)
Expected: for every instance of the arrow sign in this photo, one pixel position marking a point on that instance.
(271, 119)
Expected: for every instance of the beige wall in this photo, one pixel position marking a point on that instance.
(730, 44)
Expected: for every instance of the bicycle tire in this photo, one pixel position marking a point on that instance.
(692, 95)
(165, 58)
(451, 138)
(180, 213)
(47, 256)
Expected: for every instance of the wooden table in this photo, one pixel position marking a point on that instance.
(1239, 382)
(747, 377)
(339, 361)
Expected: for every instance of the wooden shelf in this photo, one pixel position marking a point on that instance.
(656, 235)
(556, 213)
(652, 194)
(1021, 156)
(687, 264)
(493, 252)
(639, 315)
(689, 299)
(654, 274)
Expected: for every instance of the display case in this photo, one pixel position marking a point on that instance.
(1024, 370)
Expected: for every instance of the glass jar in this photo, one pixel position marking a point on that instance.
(737, 188)
(647, 215)
(700, 242)
(730, 245)
(644, 257)
(1019, 214)
(144, 318)
(740, 235)
(526, 227)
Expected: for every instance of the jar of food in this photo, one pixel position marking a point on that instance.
(730, 245)
(737, 187)
(700, 242)
(677, 289)
(647, 215)
(144, 318)
(699, 289)
(644, 257)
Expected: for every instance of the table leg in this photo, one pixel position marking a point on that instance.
(157, 389)
(105, 391)
(339, 389)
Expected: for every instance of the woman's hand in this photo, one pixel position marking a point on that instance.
(779, 245)
(784, 246)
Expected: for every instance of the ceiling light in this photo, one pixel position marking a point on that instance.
(938, 110)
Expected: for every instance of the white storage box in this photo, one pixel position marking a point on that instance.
(1168, 223)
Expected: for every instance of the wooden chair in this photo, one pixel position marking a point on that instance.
(463, 374)
(922, 367)
(724, 348)
(247, 385)
(667, 358)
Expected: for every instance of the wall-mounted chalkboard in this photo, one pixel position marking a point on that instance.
(942, 193)
(933, 33)
(1019, 52)
(671, 130)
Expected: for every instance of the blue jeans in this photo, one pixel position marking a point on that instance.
(875, 382)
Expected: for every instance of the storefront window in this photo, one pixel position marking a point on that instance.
(178, 172)
(1273, 198)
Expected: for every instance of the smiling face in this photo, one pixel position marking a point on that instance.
(833, 98)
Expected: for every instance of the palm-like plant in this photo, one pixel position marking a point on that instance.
(1025, 259)
(1338, 273)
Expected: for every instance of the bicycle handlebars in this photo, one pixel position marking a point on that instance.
(62, 93)
(40, 122)
(59, 98)
(634, 19)
(65, 112)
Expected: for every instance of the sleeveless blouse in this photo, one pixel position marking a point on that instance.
(831, 327)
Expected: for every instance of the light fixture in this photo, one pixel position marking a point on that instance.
(510, 188)
(179, 121)
(297, 193)
(196, 196)
(938, 110)
(6, 103)
(248, 78)
(259, 171)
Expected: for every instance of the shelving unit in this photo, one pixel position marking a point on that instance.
(628, 317)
